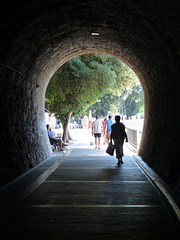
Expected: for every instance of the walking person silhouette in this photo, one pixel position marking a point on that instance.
(96, 131)
(118, 135)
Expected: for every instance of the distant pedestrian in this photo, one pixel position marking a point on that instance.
(104, 133)
(90, 124)
(109, 123)
(96, 131)
(90, 129)
(118, 134)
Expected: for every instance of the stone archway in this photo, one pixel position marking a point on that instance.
(38, 37)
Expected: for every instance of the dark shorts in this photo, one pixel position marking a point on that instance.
(54, 140)
(97, 135)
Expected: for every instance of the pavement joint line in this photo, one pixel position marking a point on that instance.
(57, 181)
(160, 187)
(94, 160)
(91, 206)
(97, 167)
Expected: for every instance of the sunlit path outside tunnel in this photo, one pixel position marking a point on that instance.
(82, 138)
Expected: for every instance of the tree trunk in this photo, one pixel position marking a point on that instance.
(66, 134)
(69, 135)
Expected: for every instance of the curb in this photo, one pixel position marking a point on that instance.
(158, 182)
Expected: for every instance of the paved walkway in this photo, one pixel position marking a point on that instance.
(84, 195)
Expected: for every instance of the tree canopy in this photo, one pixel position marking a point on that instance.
(132, 99)
(105, 104)
(82, 80)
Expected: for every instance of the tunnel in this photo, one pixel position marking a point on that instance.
(37, 37)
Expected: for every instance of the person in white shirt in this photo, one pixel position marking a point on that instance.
(96, 131)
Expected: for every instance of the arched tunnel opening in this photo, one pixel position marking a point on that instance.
(37, 38)
(91, 85)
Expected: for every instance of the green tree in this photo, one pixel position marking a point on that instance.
(78, 84)
(111, 103)
(81, 81)
(134, 102)
(104, 105)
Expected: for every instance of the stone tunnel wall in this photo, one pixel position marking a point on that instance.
(38, 37)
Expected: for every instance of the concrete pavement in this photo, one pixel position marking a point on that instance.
(83, 195)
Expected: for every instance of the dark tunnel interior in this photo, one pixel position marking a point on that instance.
(37, 37)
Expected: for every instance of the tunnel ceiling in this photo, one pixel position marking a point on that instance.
(39, 36)
(127, 29)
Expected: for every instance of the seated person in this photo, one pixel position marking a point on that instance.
(54, 139)
(54, 133)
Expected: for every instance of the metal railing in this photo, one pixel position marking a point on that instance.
(132, 137)
(134, 130)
